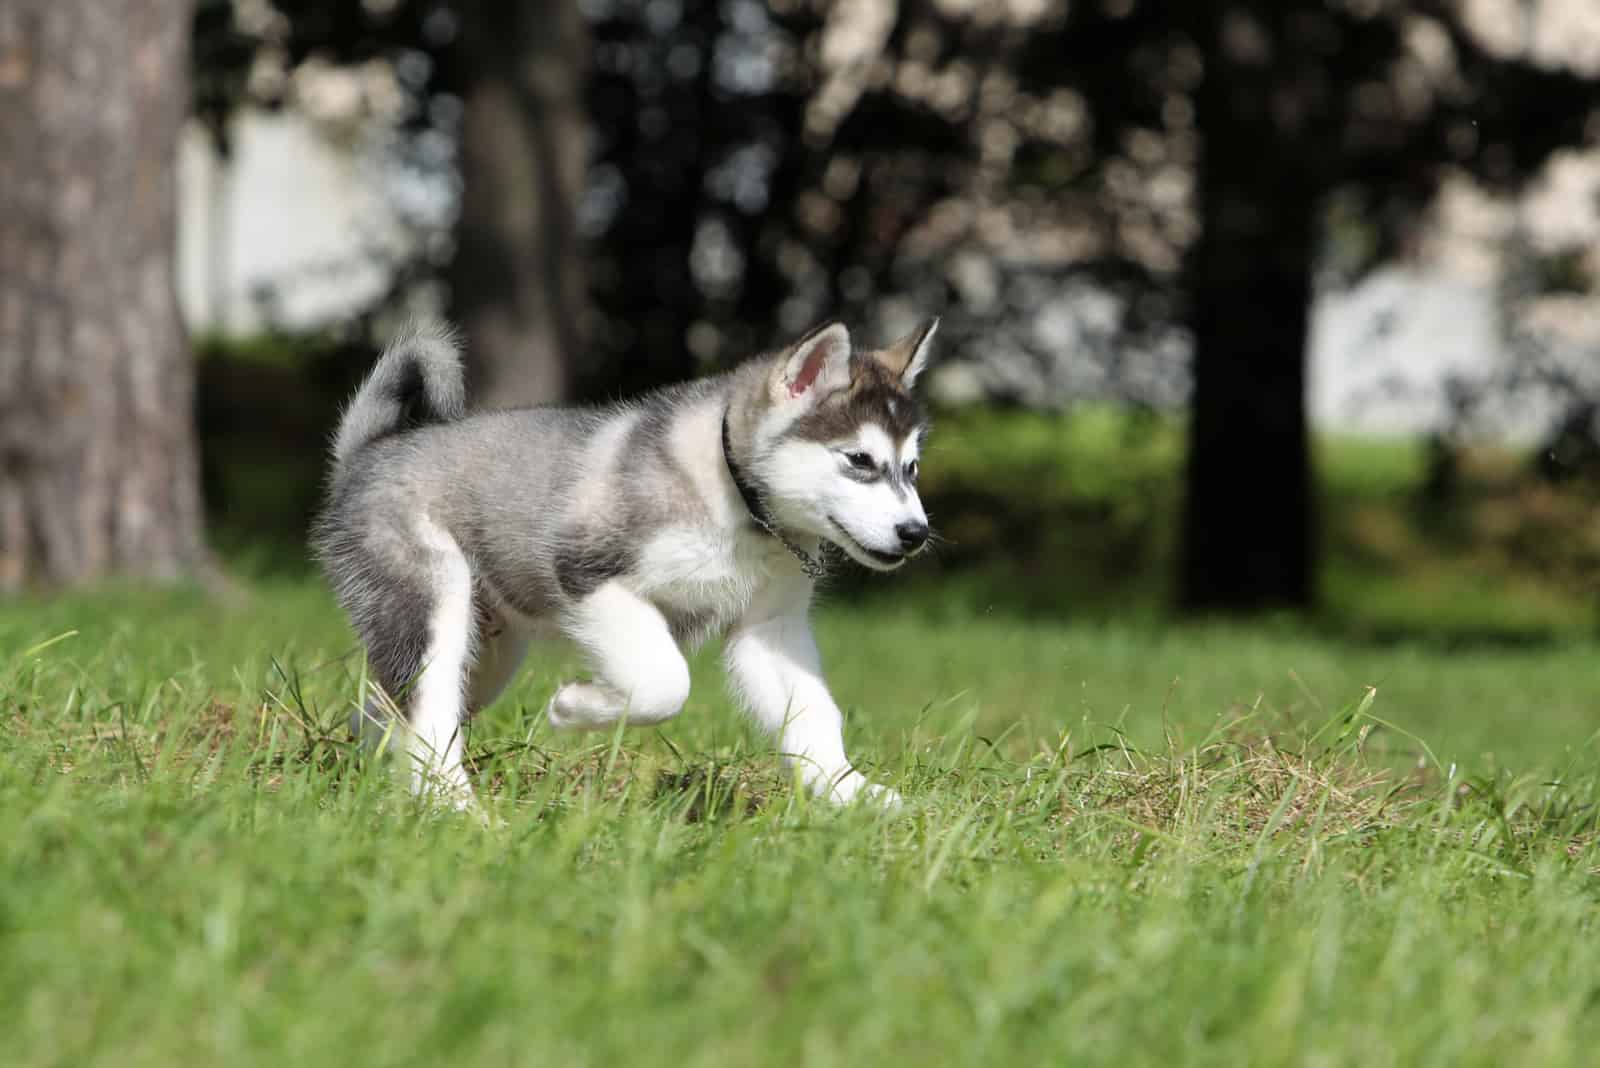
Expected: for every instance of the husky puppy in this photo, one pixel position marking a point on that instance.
(452, 539)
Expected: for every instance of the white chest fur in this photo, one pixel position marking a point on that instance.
(703, 577)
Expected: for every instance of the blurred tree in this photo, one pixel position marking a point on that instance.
(697, 112)
(1280, 104)
(691, 239)
(517, 279)
(493, 99)
(753, 176)
(1138, 163)
(98, 470)
(705, 226)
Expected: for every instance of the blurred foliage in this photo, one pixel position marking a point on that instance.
(1101, 198)
(1040, 515)
(752, 173)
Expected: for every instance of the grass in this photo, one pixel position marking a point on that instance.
(1367, 835)
(1126, 842)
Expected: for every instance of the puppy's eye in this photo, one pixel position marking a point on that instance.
(861, 461)
(911, 471)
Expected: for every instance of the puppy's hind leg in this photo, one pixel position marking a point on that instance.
(435, 741)
(410, 596)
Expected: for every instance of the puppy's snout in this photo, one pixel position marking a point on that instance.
(913, 535)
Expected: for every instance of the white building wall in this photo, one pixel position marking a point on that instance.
(290, 212)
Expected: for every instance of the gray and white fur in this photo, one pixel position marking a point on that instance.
(634, 530)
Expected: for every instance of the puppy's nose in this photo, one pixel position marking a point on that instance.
(913, 535)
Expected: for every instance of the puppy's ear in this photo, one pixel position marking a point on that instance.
(817, 364)
(908, 357)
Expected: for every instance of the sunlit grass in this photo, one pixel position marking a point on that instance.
(1123, 843)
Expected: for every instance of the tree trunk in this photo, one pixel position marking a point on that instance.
(1247, 535)
(518, 281)
(98, 471)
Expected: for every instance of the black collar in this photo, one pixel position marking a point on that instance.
(814, 566)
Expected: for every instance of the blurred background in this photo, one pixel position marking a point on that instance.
(1279, 307)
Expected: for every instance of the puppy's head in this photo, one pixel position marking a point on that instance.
(837, 452)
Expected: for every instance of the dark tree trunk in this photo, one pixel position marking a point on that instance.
(98, 471)
(1248, 532)
(518, 281)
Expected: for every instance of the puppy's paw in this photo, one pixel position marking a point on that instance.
(559, 710)
(853, 788)
(885, 797)
(446, 790)
(582, 706)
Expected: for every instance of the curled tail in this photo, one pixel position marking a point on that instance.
(417, 381)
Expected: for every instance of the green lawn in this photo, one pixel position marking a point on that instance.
(1126, 842)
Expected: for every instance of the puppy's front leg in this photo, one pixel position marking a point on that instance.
(776, 673)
